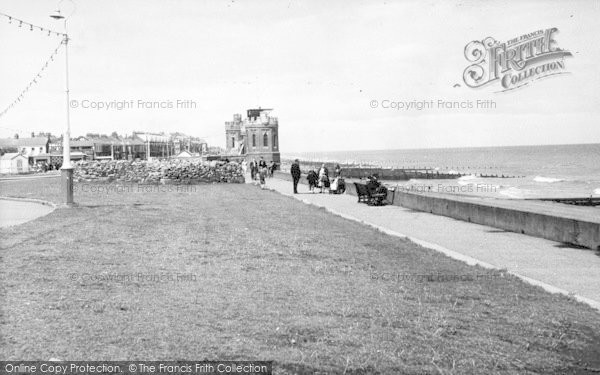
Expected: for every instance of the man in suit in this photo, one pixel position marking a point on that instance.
(295, 171)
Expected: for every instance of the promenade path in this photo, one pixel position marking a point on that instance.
(15, 212)
(555, 265)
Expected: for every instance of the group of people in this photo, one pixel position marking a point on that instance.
(45, 166)
(259, 170)
(321, 180)
(315, 179)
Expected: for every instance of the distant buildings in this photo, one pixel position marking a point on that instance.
(216, 150)
(46, 148)
(28, 147)
(254, 137)
(193, 145)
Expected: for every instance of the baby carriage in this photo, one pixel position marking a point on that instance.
(338, 186)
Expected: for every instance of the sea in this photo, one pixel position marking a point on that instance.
(549, 171)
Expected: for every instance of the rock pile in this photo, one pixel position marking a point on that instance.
(174, 171)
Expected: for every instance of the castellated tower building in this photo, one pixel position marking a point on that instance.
(253, 137)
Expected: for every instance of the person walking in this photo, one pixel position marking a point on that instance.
(295, 171)
(255, 169)
(262, 163)
(252, 166)
(271, 168)
(338, 171)
(323, 177)
(244, 166)
(262, 172)
(312, 179)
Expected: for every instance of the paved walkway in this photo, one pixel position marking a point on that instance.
(556, 266)
(15, 212)
(11, 177)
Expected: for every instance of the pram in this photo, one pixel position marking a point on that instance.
(338, 186)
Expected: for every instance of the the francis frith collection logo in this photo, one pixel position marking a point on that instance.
(514, 63)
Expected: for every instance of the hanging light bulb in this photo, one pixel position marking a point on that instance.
(48, 32)
(9, 19)
(20, 23)
(30, 27)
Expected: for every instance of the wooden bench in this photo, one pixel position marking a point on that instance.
(362, 192)
(367, 196)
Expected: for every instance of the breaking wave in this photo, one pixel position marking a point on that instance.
(547, 179)
(464, 180)
(513, 192)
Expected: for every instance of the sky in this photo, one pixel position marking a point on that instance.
(320, 65)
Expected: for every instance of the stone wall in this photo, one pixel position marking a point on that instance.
(175, 171)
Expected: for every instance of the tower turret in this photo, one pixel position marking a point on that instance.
(254, 137)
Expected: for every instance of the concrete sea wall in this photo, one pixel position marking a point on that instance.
(578, 232)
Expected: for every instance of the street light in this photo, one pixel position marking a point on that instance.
(67, 167)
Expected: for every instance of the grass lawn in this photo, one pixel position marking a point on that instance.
(234, 272)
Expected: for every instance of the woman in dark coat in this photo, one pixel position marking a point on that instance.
(312, 179)
(295, 171)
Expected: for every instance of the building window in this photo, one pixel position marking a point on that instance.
(265, 140)
(232, 142)
(274, 140)
(253, 140)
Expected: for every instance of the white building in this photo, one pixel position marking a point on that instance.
(14, 163)
(29, 147)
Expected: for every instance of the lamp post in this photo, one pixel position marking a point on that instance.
(67, 167)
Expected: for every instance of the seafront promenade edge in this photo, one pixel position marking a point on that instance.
(555, 266)
(553, 221)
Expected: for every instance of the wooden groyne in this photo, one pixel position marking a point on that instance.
(394, 174)
(575, 201)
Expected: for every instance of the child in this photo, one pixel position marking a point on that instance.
(312, 180)
(263, 176)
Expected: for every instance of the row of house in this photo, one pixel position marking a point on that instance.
(48, 149)
(138, 146)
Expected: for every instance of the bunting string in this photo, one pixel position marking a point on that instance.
(20, 23)
(33, 81)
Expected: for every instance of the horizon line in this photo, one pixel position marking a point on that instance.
(446, 148)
